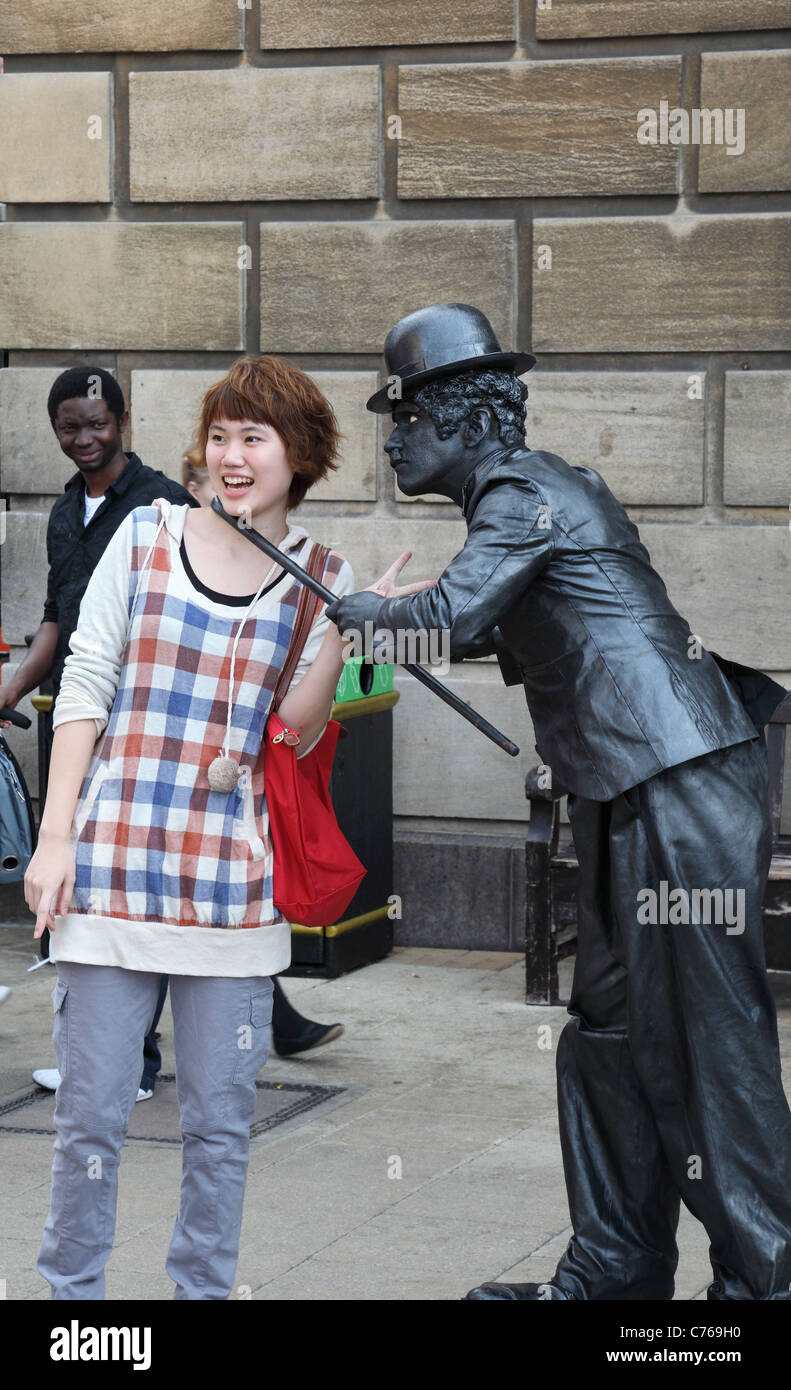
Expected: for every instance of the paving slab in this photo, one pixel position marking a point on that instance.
(437, 1166)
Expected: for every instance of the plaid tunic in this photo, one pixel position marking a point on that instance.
(170, 875)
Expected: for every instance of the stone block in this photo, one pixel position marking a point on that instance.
(371, 543)
(581, 19)
(642, 431)
(165, 406)
(355, 480)
(442, 766)
(103, 26)
(340, 286)
(546, 129)
(758, 85)
(163, 410)
(757, 434)
(31, 459)
(731, 583)
(23, 566)
(662, 284)
(466, 891)
(57, 137)
(358, 23)
(254, 133)
(162, 286)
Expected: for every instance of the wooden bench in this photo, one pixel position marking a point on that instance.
(551, 878)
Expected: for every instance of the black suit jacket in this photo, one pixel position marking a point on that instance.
(554, 578)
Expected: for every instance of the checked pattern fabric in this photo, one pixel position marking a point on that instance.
(152, 841)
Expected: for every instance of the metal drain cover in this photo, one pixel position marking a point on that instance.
(156, 1121)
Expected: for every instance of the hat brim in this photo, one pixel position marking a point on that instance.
(383, 403)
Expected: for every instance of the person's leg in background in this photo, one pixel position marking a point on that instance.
(152, 1059)
(101, 1014)
(292, 1032)
(221, 1034)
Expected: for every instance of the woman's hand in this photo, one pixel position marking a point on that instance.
(386, 585)
(49, 880)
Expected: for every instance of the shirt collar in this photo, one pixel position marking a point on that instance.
(122, 483)
(125, 479)
(466, 491)
(471, 481)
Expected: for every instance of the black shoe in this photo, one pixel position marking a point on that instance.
(534, 1293)
(716, 1292)
(313, 1035)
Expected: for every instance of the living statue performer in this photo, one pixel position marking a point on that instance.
(668, 1072)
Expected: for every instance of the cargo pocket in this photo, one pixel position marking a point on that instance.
(60, 1027)
(253, 1038)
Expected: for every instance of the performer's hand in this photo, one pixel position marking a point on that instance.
(352, 611)
(386, 586)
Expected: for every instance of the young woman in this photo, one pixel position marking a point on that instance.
(143, 868)
(291, 1031)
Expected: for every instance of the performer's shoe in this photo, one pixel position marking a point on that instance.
(716, 1292)
(533, 1293)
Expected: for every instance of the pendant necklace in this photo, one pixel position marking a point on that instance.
(223, 772)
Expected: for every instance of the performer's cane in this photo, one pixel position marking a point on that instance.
(425, 677)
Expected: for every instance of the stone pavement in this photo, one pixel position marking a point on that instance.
(438, 1169)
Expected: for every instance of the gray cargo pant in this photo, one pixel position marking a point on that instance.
(221, 1035)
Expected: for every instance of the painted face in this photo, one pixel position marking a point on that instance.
(88, 432)
(247, 463)
(418, 457)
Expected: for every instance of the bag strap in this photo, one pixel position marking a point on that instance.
(306, 611)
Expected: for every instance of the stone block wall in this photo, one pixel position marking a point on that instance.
(181, 183)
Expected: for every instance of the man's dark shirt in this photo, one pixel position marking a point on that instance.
(74, 549)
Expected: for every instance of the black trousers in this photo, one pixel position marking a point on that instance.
(669, 1081)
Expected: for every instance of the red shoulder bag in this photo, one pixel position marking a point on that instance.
(316, 872)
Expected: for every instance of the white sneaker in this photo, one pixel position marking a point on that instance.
(48, 1077)
(144, 1095)
(5, 990)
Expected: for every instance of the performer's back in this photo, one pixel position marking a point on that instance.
(617, 684)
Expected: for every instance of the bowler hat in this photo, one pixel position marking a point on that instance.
(442, 340)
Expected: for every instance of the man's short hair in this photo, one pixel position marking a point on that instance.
(449, 401)
(86, 381)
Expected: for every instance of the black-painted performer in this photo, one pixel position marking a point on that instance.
(669, 1082)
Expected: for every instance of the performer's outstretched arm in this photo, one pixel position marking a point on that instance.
(509, 542)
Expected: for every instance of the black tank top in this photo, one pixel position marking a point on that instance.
(241, 601)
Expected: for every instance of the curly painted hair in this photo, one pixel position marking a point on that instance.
(449, 401)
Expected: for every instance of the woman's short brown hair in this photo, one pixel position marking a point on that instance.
(270, 392)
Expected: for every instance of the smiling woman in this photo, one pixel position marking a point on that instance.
(285, 406)
(146, 863)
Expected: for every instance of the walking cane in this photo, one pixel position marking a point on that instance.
(418, 672)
